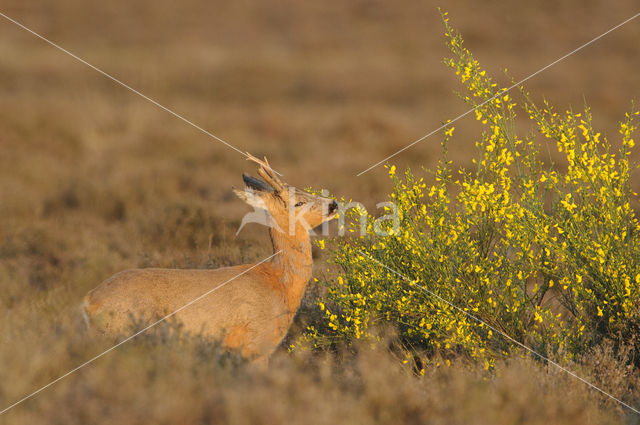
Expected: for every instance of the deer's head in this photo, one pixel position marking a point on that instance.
(288, 209)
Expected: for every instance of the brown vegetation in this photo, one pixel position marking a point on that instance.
(94, 179)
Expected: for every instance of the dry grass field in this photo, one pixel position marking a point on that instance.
(94, 179)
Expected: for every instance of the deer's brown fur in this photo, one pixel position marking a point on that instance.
(252, 312)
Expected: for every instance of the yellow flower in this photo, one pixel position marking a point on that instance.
(448, 132)
(537, 317)
(468, 236)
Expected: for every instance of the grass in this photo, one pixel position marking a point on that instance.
(94, 180)
(159, 379)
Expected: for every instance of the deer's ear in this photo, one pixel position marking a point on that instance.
(256, 184)
(251, 197)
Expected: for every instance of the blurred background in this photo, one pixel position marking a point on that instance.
(94, 179)
(324, 89)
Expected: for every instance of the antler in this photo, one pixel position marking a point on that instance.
(267, 172)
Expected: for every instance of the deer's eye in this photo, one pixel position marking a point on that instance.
(299, 204)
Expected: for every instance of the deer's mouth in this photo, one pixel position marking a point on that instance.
(333, 206)
(333, 210)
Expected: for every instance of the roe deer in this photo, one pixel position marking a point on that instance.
(253, 312)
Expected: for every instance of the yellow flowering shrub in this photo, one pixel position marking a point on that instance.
(548, 255)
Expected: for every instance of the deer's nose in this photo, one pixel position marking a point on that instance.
(333, 206)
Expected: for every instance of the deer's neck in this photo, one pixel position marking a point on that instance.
(293, 264)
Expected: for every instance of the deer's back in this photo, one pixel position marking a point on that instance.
(248, 311)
